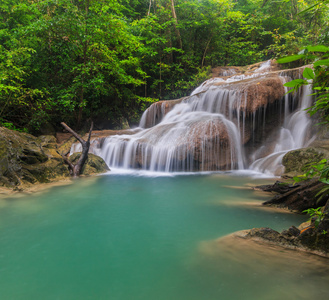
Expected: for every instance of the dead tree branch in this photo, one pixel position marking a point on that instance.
(76, 169)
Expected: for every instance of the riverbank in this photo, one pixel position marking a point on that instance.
(33, 189)
(311, 236)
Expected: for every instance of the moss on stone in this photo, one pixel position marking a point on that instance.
(93, 165)
(27, 160)
(296, 161)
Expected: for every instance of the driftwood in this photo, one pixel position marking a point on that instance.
(76, 169)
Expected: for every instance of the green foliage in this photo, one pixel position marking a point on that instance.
(11, 126)
(319, 76)
(319, 169)
(85, 59)
(316, 215)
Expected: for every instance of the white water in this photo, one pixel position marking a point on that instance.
(206, 132)
(212, 83)
(294, 134)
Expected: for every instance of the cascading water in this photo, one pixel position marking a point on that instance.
(192, 136)
(211, 129)
(294, 134)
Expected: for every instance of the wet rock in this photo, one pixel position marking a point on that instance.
(265, 233)
(247, 70)
(314, 240)
(210, 146)
(226, 71)
(62, 137)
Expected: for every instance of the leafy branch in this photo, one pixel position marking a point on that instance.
(316, 215)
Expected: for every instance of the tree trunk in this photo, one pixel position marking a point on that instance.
(75, 170)
(179, 38)
(205, 51)
(148, 13)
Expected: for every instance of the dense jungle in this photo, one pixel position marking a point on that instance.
(107, 61)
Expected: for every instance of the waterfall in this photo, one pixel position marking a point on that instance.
(295, 133)
(223, 125)
(197, 134)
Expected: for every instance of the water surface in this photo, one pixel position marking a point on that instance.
(125, 237)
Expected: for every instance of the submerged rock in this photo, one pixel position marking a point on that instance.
(26, 160)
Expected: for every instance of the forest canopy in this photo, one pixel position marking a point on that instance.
(106, 60)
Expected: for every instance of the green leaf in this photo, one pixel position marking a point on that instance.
(309, 8)
(295, 83)
(319, 48)
(326, 181)
(308, 73)
(301, 81)
(290, 84)
(323, 62)
(290, 58)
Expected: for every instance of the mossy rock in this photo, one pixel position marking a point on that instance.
(66, 146)
(296, 161)
(94, 164)
(25, 159)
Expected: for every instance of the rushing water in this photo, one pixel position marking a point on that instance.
(125, 237)
(216, 128)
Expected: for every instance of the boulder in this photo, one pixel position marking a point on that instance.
(94, 164)
(297, 162)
